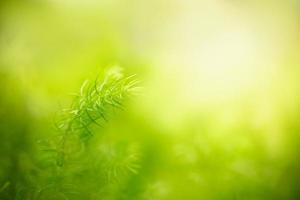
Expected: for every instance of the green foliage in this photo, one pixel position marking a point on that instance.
(219, 119)
(92, 104)
(14, 137)
(70, 165)
(94, 154)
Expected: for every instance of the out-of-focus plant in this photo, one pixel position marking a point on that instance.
(14, 137)
(69, 165)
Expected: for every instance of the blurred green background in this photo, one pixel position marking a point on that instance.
(218, 116)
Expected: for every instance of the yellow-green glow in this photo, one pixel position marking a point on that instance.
(214, 115)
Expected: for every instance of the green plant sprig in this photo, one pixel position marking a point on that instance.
(92, 106)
